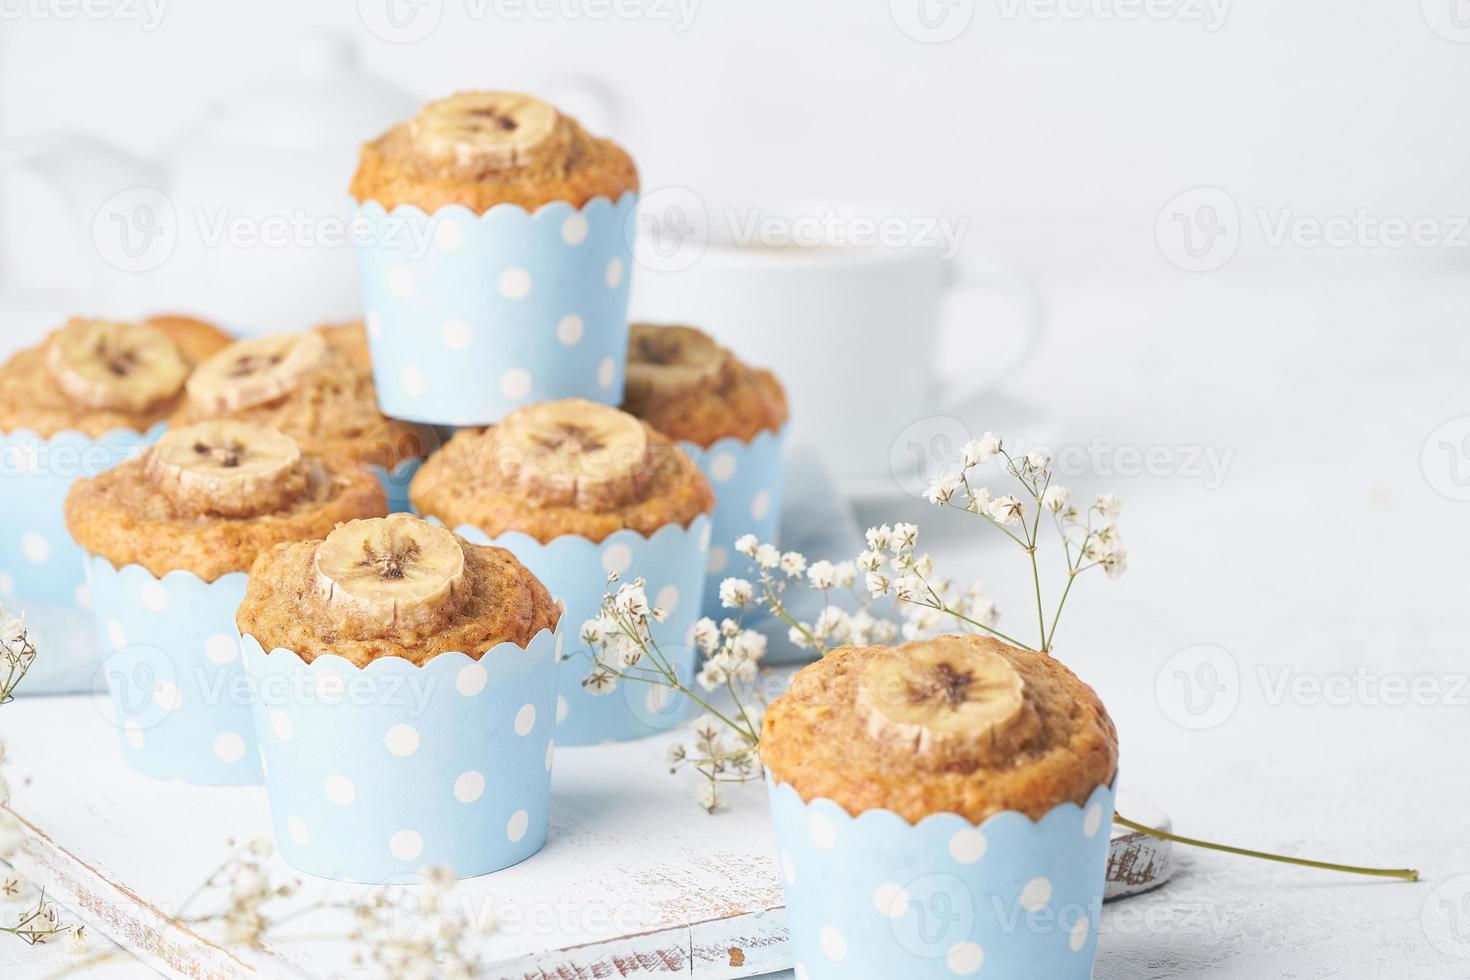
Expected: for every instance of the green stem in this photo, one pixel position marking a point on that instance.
(1407, 874)
(1071, 577)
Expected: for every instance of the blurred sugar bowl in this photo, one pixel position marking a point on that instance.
(840, 300)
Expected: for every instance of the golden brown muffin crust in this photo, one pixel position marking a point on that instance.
(123, 516)
(461, 485)
(334, 410)
(392, 172)
(500, 601)
(31, 399)
(815, 739)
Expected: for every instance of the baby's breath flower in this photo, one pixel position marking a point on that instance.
(870, 561)
(736, 593)
(1114, 563)
(710, 676)
(591, 632)
(908, 588)
(77, 941)
(822, 575)
(845, 574)
(767, 556)
(1038, 459)
(631, 600)
(750, 645)
(601, 681)
(904, 537)
(878, 537)
(706, 635)
(980, 499)
(798, 638)
(978, 451)
(676, 754)
(1055, 498)
(1005, 510)
(879, 584)
(708, 796)
(1108, 505)
(728, 627)
(746, 545)
(941, 490)
(793, 564)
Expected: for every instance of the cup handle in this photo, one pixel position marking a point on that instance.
(978, 276)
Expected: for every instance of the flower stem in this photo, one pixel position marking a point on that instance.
(1407, 874)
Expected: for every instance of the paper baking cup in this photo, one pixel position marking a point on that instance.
(396, 483)
(575, 571)
(473, 315)
(41, 567)
(747, 478)
(179, 695)
(875, 896)
(377, 772)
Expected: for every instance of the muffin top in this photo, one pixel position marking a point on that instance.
(965, 725)
(97, 376)
(693, 390)
(316, 387)
(392, 587)
(565, 467)
(208, 498)
(480, 149)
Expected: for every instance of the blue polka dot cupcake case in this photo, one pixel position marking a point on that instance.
(472, 315)
(377, 772)
(178, 695)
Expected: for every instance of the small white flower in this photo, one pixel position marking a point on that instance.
(870, 561)
(982, 610)
(879, 584)
(908, 588)
(980, 499)
(746, 545)
(978, 451)
(12, 630)
(250, 885)
(923, 566)
(1004, 510)
(736, 593)
(845, 574)
(631, 600)
(878, 537)
(750, 645)
(822, 575)
(904, 537)
(676, 754)
(706, 635)
(710, 676)
(728, 627)
(592, 632)
(941, 490)
(1114, 563)
(708, 797)
(798, 638)
(707, 729)
(1108, 505)
(601, 681)
(628, 652)
(1038, 459)
(1055, 498)
(793, 564)
(767, 557)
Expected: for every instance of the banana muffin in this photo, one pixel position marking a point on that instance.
(564, 467)
(962, 725)
(480, 149)
(316, 387)
(97, 376)
(693, 390)
(210, 497)
(392, 587)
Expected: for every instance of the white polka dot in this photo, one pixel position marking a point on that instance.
(7, 584)
(115, 635)
(448, 235)
(550, 751)
(469, 786)
(1036, 894)
(374, 326)
(83, 596)
(967, 846)
(569, 330)
(471, 680)
(614, 275)
(229, 747)
(823, 834)
(456, 334)
(718, 559)
(515, 384)
(406, 845)
(562, 707)
(340, 790)
(1078, 937)
(1092, 821)
(667, 598)
(281, 725)
(515, 283)
(37, 551)
(297, 828)
(607, 372)
(516, 827)
(133, 732)
(964, 959)
(616, 558)
(834, 943)
(411, 380)
(722, 467)
(154, 596)
(525, 719)
(760, 506)
(402, 740)
(891, 899)
(222, 649)
(788, 868)
(166, 695)
(400, 281)
(574, 229)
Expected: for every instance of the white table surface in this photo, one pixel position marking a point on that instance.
(1326, 550)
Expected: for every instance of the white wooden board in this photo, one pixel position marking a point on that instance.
(636, 880)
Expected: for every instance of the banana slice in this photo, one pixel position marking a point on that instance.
(671, 360)
(128, 367)
(573, 453)
(488, 130)
(948, 700)
(225, 467)
(253, 372)
(393, 570)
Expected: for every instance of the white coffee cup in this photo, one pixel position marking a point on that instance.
(844, 305)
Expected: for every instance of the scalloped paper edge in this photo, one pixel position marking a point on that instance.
(534, 647)
(75, 436)
(735, 442)
(375, 210)
(133, 570)
(577, 540)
